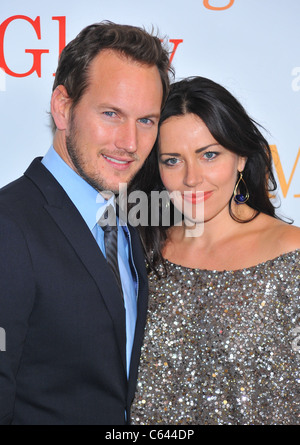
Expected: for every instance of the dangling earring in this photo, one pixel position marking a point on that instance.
(240, 198)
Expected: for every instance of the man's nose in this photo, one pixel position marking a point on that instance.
(127, 137)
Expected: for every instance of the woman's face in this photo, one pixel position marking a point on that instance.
(199, 173)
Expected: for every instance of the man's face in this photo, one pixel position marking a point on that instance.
(112, 129)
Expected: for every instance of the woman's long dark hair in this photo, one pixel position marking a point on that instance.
(232, 128)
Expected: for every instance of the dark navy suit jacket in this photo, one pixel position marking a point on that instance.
(62, 313)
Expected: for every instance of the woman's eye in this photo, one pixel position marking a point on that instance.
(171, 161)
(210, 155)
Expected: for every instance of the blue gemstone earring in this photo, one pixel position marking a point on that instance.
(240, 198)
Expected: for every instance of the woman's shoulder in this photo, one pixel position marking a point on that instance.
(286, 236)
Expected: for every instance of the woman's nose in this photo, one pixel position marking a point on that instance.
(193, 175)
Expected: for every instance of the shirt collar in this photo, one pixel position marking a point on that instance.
(88, 201)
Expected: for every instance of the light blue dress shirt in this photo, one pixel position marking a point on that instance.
(91, 205)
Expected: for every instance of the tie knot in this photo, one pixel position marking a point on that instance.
(108, 221)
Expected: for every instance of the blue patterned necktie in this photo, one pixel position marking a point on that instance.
(108, 223)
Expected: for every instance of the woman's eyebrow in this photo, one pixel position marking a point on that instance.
(199, 150)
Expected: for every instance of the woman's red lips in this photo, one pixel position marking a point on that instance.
(196, 197)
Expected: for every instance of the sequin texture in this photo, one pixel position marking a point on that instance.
(222, 347)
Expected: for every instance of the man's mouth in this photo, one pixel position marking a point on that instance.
(117, 161)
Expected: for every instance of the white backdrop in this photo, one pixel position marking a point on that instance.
(249, 46)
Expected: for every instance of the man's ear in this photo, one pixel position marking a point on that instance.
(60, 107)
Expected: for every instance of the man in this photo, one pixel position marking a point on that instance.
(73, 332)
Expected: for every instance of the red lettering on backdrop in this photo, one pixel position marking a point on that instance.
(61, 33)
(176, 43)
(207, 5)
(37, 53)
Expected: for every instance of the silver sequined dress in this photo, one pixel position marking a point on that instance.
(222, 347)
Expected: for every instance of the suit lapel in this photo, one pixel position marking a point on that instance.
(66, 216)
(142, 304)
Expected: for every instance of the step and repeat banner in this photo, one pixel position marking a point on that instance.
(251, 47)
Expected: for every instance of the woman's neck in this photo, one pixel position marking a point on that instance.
(217, 243)
(216, 229)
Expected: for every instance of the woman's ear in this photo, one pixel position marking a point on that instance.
(60, 107)
(242, 163)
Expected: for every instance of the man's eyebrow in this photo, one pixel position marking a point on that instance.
(153, 115)
(111, 107)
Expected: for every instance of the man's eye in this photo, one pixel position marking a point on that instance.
(109, 113)
(146, 121)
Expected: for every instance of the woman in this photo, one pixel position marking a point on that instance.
(222, 339)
